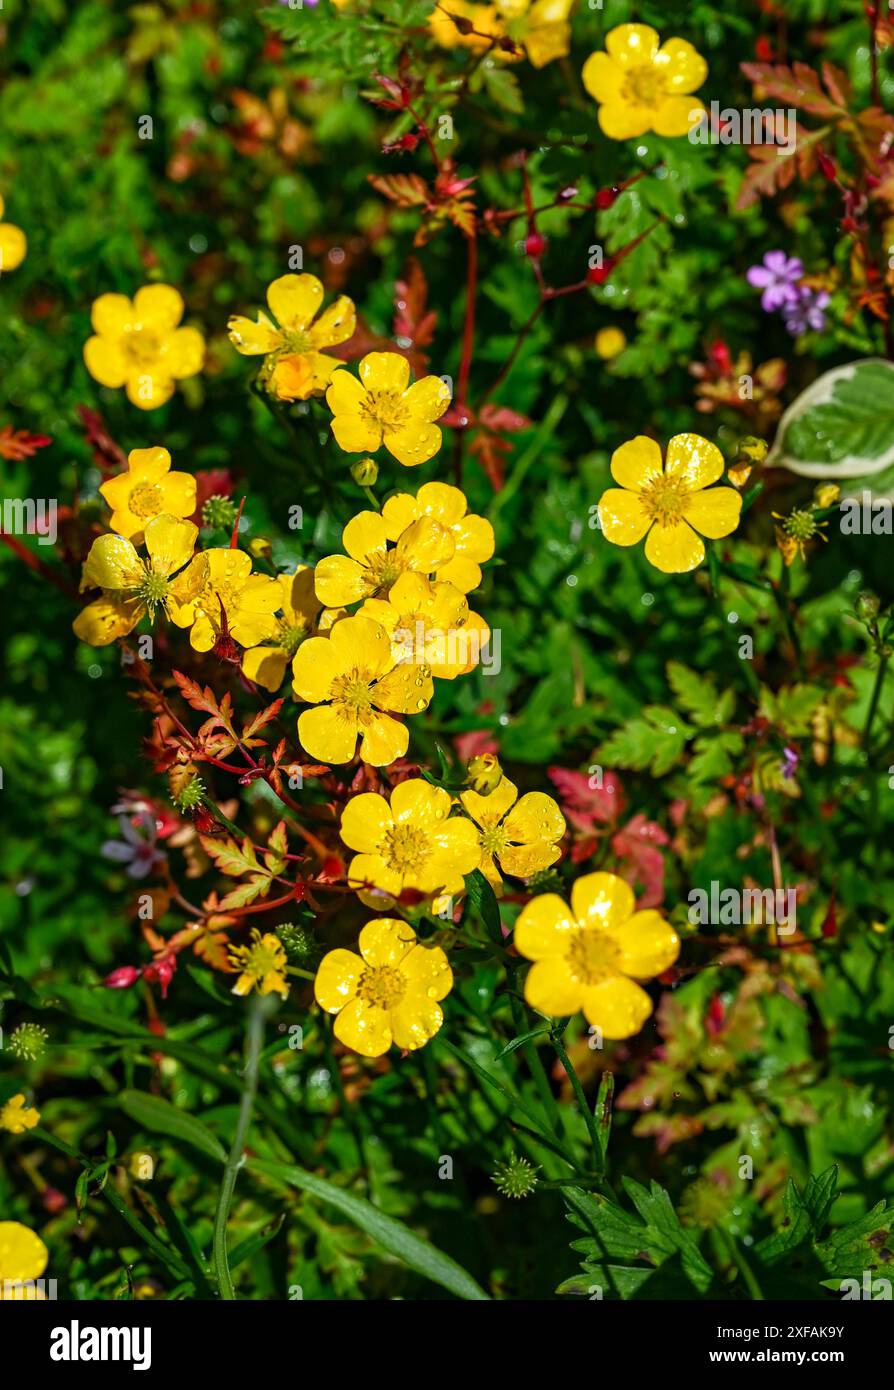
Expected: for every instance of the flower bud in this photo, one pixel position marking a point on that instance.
(867, 606)
(365, 472)
(752, 448)
(826, 495)
(122, 978)
(219, 513)
(484, 774)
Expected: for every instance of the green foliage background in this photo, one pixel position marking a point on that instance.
(799, 1074)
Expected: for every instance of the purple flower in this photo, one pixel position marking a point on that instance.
(808, 311)
(777, 277)
(789, 764)
(138, 848)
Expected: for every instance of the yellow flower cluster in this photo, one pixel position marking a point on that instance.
(413, 624)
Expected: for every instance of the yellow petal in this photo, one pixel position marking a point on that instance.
(445, 503)
(677, 115)
(386, 941)
(252, 339)
(602, 900)
(624, 120)
(602, 78)
(425, 546)
(336, 325)
(336, 979)
(338, 580)
(145, 466)
(632, 44)
(384, 741)
(178, 493)
(535, 817)
(524, 860)
(415, 1021)
(158, 306)
(369, 873)
(345, 396)
(546, 42)
(106, 362)
(385, 371)
(107, 618)
(365, 822)
(428, 398)
(618, 1006)
(427, 971)
(405, 690)
(362, 643)
(112, 563)
(473, 537)
(411, 445)
(681, 66)
(550, 988)
(623, 518)
(463, 573)
(457, 852)
(315, 665)
(111, 315)
(13, 246)
(714, 512)
(170, 541)
(364, 1028)
(636, 463)
(355, 434)
(326, 735)
(148, 390)
(543, 926)
(184, 353)
(693, 459)
(488, 811)
(299, 597)
(399, 511)
(417, 801)
(265, 666)
(649, 945)
(365, 534)
(674, 549)
(294, 299)
(23, 1254)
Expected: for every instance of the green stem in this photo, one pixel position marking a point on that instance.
(577, 1088)
(728, 637)
(254, 1040)
(742, 1265)
(874, 699)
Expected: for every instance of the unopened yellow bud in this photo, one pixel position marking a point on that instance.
(484, 773)
(365, 472)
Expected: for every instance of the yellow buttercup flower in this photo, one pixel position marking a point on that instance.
(609, 343)
(589, 956)
(540, 27)
(140, 346)
(133, 586)
(219, 583)
(473, 536)
(520, 835)
(430, 625)
(352, 680)
(295, 366)
(302, 615)
(147, 489)
(413, 842)
(371, 567)
(389, 993)
(262, 965)
(13, 244)
(643, 84)
(383, 408)
(15, 1117)
(673, 503)
(23, 1257)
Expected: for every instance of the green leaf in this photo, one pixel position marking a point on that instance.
(419, 1254)
(698, 695)
(161, 1117)
(515, 1043)
(842, 426)
(484, 901)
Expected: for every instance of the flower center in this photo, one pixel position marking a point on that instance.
(644, 85)
(142, 345)
(289, 636)
(592, 956)
(294, 341)
(383, 985)
(146, 499)
(493, 839)
(664, 499)
(261, 959)
(383, 568)
(385, 408)
(352, 693)
(152, 589)
(404, 848)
